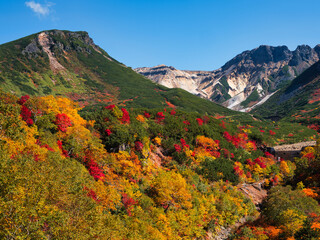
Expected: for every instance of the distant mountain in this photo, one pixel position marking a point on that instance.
(245, 79)
(298, 101)
(70, 64)
(174, 78)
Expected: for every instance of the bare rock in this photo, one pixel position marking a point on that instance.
(31, 48)
(46, 43)
(254, 191)
(262, 69)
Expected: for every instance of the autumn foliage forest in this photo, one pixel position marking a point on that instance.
(117, 173)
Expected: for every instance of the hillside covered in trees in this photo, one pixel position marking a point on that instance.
(89, 149)
(117, 173)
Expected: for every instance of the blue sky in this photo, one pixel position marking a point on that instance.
(186, 34)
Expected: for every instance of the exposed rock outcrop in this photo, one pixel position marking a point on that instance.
(46, 43)
(57, 41)
(250, 75)
(254, 191)
(173, 78)
(31, 48)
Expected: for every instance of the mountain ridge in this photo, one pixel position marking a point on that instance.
(259, 71)
(66, 63)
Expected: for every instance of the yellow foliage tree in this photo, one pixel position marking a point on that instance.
(292, 220)
(140, 118)
(170, 189)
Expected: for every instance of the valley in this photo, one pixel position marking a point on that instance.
(90, 149)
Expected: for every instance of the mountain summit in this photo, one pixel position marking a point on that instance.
(70, 64)
(244, 80)
(51, 62)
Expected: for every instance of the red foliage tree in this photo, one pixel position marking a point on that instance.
(314, 127)
(23, 99)
(260, 162)
(310, 156)
(268, 155)
(160, 117)
(128, 203)
(125, 117)
(147, 115)
(29, 121)
(108, 132)
(183, 143)
(26, 115)
(177, 147)
(63, 121)
(227, 136)
(272, 133)
(110, 107)
(94, 169)
(138, 146)
(238, 170)
(64, 152)
(200, 121)
(173, 112)
(186, 122)
(249, 162)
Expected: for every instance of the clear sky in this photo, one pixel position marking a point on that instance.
(186, 34)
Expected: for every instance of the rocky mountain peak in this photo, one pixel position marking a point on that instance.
(83, 36)
(317, 49)
(252, 74)
(171, 77)
(58, 40)
(263, 54)
(162, 67)
(303, 53)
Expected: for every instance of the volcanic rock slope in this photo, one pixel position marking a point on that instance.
(243, 81)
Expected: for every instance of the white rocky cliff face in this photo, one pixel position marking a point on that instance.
(172, 78)
(243, 81)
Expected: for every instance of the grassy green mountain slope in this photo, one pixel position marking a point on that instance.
(299, 101)
(70, 64)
